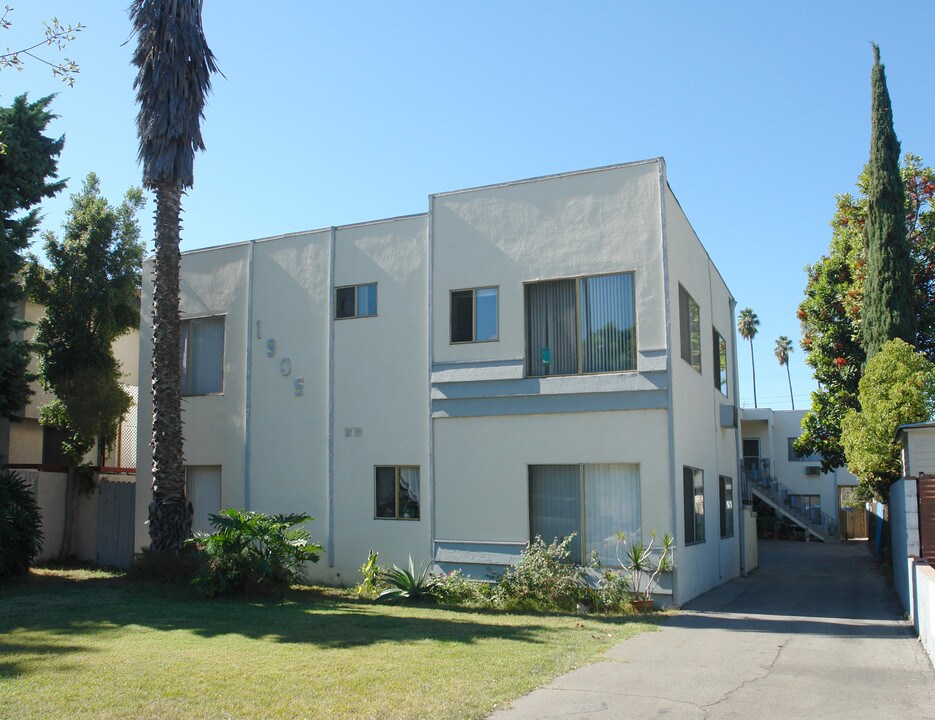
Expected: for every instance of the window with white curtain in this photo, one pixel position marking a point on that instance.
(593, 501)
(201, 350)
(203, 489)
(397, 492)
(581, 325)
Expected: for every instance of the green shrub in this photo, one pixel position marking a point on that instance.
(455, 589)
(20, 525)
(254, 553)
(543, 580)
(372, 581)
(408, 584)
(609, 591)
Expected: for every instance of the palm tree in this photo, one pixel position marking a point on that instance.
(747, 325)
(782, 350)
(174, 76)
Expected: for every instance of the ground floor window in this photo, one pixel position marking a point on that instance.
(593, 501)
(203, 489)
(808, 505)
(726, 497)
(397, 492)
(693, 496)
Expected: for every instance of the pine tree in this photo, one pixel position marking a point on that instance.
(887, 310)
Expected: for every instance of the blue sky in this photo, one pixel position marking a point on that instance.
(334, 113)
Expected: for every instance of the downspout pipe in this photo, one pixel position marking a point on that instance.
(248, 389)
(735, 379)
(331, 251)
(670, 395)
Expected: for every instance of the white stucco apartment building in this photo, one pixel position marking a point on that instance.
(544, 356)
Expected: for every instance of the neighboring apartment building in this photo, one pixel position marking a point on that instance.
(102, 526)
(540, 357)
(793, 481)
(27, 443)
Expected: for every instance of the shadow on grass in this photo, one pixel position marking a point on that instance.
(37, 610)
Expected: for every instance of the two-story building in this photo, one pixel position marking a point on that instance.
(538, 357)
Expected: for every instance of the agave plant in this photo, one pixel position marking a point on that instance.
(407, 584)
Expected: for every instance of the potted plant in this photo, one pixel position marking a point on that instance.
(644, 567)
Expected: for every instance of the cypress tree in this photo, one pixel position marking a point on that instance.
(887, 310)
(28, 166)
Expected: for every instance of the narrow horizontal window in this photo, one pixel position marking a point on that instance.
(355, 301)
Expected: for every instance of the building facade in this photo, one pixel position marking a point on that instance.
(540, 357)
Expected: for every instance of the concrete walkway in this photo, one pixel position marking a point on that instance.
(815, 632)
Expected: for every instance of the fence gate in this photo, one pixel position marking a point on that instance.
(927, 516)
(115, 523)
(852, 516)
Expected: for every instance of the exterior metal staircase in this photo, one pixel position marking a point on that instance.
(760, 483)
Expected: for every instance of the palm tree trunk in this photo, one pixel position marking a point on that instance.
(789, 377)
(170, 513)
(753, 365)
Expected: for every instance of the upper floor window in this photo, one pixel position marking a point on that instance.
(581, 325)
(720, 361)
(690, 329)
(474, 315)
(355, 301)
(795, 456)
(201, 350)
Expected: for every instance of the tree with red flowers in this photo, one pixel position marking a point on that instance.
(830, 314)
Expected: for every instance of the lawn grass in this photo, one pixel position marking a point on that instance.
(92, 644)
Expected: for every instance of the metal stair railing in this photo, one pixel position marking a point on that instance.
(757, 479)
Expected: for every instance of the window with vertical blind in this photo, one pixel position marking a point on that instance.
(593, 501)
(581, 325)
(203, 489)
(201, 350)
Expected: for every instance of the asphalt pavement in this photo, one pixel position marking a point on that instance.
(815, 632)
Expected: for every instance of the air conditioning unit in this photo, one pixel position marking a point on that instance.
(813, 470)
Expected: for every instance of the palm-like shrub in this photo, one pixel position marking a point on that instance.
(20, 525)
(252, 552)
(408, 584)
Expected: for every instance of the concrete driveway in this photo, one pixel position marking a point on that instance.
(815, 632)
